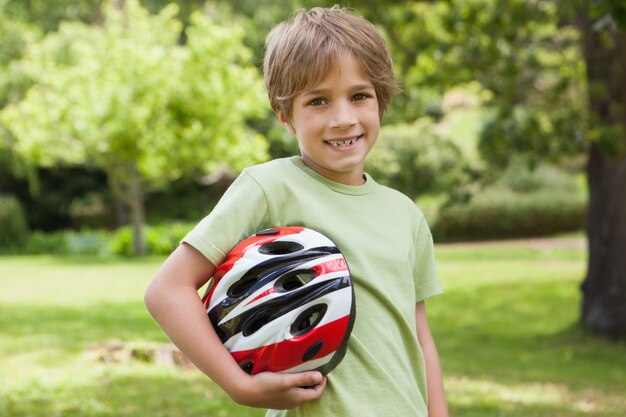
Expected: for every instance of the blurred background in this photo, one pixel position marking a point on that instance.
(122, 123)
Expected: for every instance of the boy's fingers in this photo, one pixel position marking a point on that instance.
(282, 391)
(311, 392)
(305, 379)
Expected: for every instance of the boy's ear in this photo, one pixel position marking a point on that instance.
(285, 122)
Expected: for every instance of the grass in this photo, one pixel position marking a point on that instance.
(508, 334)
(53, 310)
(506, 330)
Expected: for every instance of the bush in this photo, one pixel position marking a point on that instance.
(45, 243)
(519, 178)
(13, 227)
(519, 201)
(160, 240)
(88, 242)
(68, 242)
(414, 159)
(500, 213)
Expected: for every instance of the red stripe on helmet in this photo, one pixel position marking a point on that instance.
(263, 294)
(206, 299)
(334, 265)
(287, 354)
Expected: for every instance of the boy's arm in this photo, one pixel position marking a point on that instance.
(437, 406)
(172, 299)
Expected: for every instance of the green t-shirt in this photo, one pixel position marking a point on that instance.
(388, 246)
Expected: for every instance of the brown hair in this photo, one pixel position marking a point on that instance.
(303, 50)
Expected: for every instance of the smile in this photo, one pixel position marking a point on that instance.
(342, 143)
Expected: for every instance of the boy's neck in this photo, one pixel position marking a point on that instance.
(351, 179)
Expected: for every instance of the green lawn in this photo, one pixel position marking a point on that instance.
(506, 329)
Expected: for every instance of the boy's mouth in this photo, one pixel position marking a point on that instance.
(343, 143)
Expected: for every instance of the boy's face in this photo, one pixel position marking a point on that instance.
(336, 122)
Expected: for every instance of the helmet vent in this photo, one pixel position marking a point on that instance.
(268, 232)
(247, 366)
(255, 322)
(294, 280)
(280, 248)
(308, 319)
(312, 351)
(242, 286)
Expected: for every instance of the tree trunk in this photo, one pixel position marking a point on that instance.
(137, 212)
(604, 288)
(121, 216)
(127, 187)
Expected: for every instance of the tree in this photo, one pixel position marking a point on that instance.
(527, 56)
(603, 25)
(528, 67)
(128, 98)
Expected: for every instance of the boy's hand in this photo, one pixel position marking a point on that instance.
(281, 391)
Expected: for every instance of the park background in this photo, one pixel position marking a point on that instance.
(122, 122)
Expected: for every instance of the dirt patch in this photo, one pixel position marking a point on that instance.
(117, 352)
(548, 244)
(545, 244)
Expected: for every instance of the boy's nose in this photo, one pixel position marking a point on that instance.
(343, 115)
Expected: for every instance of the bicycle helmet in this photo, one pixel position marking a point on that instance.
(283, 301)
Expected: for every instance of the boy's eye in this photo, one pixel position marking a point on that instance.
(317, 102)
(360, 96)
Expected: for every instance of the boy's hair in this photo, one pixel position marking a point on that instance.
(304, 49)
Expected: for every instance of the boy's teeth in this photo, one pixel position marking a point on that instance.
(341, 142)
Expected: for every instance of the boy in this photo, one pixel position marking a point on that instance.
(329, 79)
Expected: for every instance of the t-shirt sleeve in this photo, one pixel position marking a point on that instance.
(425, 274)
(238, 214)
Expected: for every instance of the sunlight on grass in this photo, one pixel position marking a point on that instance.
(535, 398)
(508, 334)
(74, 282)
(506, 329)
(85, 387)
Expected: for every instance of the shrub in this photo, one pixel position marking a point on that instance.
(500, 213)
(159, 240)
(519, 201)
(121, 242)
(88, 242)
(50, 243)
(414, 159)
(13, 227)
(518, 177)
(68, 242)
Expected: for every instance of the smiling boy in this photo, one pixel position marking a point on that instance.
(336, 122)
(329, 79)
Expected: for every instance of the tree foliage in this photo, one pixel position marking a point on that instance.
(48, 14)
(127, 97)
(414, 159)
(527, 62)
